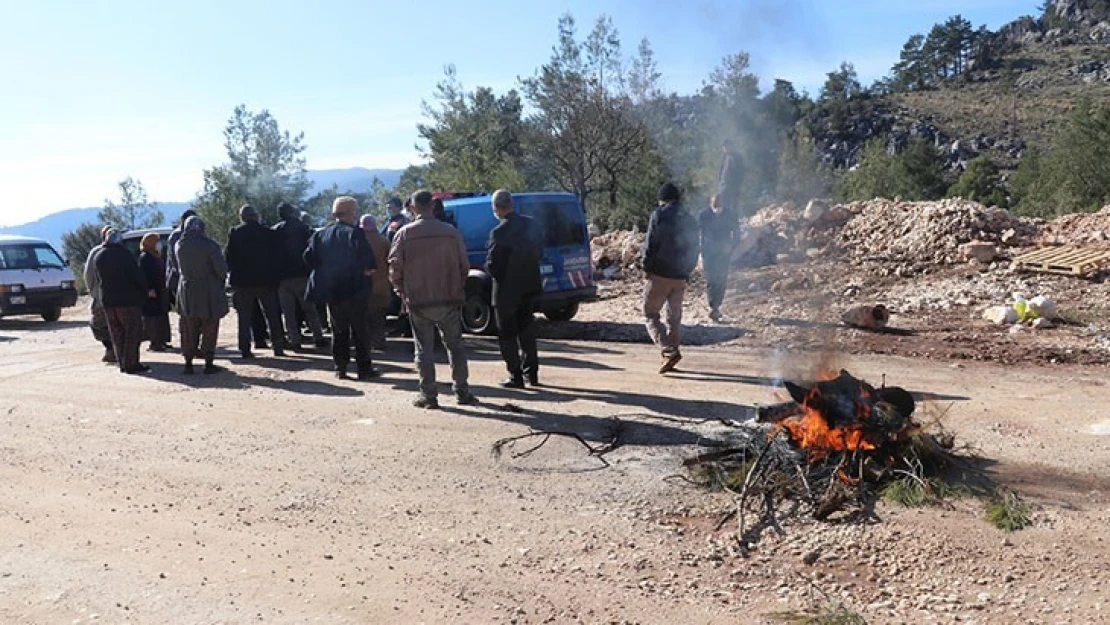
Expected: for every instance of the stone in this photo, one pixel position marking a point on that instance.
(980, 251)
(1041, 323)
(1001, 315)
(815, 210)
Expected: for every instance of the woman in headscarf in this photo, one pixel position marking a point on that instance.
(201, 299)
(156, 315)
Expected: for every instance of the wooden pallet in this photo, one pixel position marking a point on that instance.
(1068, 260)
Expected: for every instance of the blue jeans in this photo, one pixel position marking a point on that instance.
(448, 321)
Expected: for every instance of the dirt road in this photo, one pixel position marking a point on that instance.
(275, 493)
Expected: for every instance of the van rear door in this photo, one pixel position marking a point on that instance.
(566, 255)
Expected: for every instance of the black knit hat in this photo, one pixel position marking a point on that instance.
(669, 193)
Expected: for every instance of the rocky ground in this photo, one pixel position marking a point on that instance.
(275, 493)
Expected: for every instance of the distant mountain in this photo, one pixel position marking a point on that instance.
(356, 179)
(54, 225)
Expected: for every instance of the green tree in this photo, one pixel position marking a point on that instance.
(981, 182)
(1075, 175)
(802, 175)
(133, 211)
(585, 123)
(915, 173)
(265, 167)
(474, 138)
(76, 245)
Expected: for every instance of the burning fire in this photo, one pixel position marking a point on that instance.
(811, 429)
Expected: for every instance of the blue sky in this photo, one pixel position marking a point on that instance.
(97, 90)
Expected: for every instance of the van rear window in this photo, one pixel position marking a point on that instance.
(562, 223)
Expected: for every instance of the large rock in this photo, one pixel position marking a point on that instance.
(979, 250)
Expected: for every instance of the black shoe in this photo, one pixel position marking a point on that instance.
(210, 368)
(189, 369)
(109, 357)
(137, 369)
(512, 383)
(261, 345)
(466, 398)
(670, 361)
(156, 348)
(369, 374)
(533, 380)
(247, 356)
(341, 374)
(428, 403)
(279, 353)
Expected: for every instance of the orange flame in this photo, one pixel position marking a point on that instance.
(811, 430)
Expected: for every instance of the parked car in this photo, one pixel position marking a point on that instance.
(565, 268)
(133, 238)
(34, 280)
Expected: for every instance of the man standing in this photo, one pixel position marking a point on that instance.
(669, 256)
(172, 274)
(292, 240)
(98, 323)
(428, 267)
(513, 261)
(123, 290)
(396, 218)
(342, 268)
(252, 255)
(201, 299)
(379, 293)
(718, 237)
(731, 178)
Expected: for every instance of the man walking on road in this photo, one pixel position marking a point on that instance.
(718, 236)
(513, 261)
(292, 240)
(342, 266)
(428, 267)
(669, 256)
(252, 256)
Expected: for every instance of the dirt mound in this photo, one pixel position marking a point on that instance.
(616, 253)
(928, 232)
(1079, 229)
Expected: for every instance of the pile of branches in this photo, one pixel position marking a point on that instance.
(832, 452)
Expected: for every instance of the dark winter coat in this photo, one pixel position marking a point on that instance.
(719, 231)
(730, 181)
(122, 284)
(340, 258)
(513, 260)
(671, 247)
(203, 271)
(252, 256)
(292, 241)
(154, 270)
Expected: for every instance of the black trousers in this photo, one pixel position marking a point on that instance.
(350, 322)
(716, 279)
(516, 336)
(244, 300)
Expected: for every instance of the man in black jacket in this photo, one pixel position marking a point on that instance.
(292, 240)
(669, 256)
(718, 236)
(251, 261)
(342, 266)
(730, 178)
(123, 290)
(513, 261)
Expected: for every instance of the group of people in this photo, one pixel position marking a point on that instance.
(289, 273)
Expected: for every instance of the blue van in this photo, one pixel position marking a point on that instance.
(566, 267)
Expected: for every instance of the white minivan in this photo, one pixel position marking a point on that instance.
(34, 280)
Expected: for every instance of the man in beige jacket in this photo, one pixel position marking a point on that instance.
(428, 268)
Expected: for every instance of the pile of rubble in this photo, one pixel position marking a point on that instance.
(1079, 229)
(928, 232)
(616, 254)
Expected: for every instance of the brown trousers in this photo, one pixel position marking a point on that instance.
(125, 324)
(660, 292)
(198, 337)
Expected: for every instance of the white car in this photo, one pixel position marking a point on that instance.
(34, 280)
